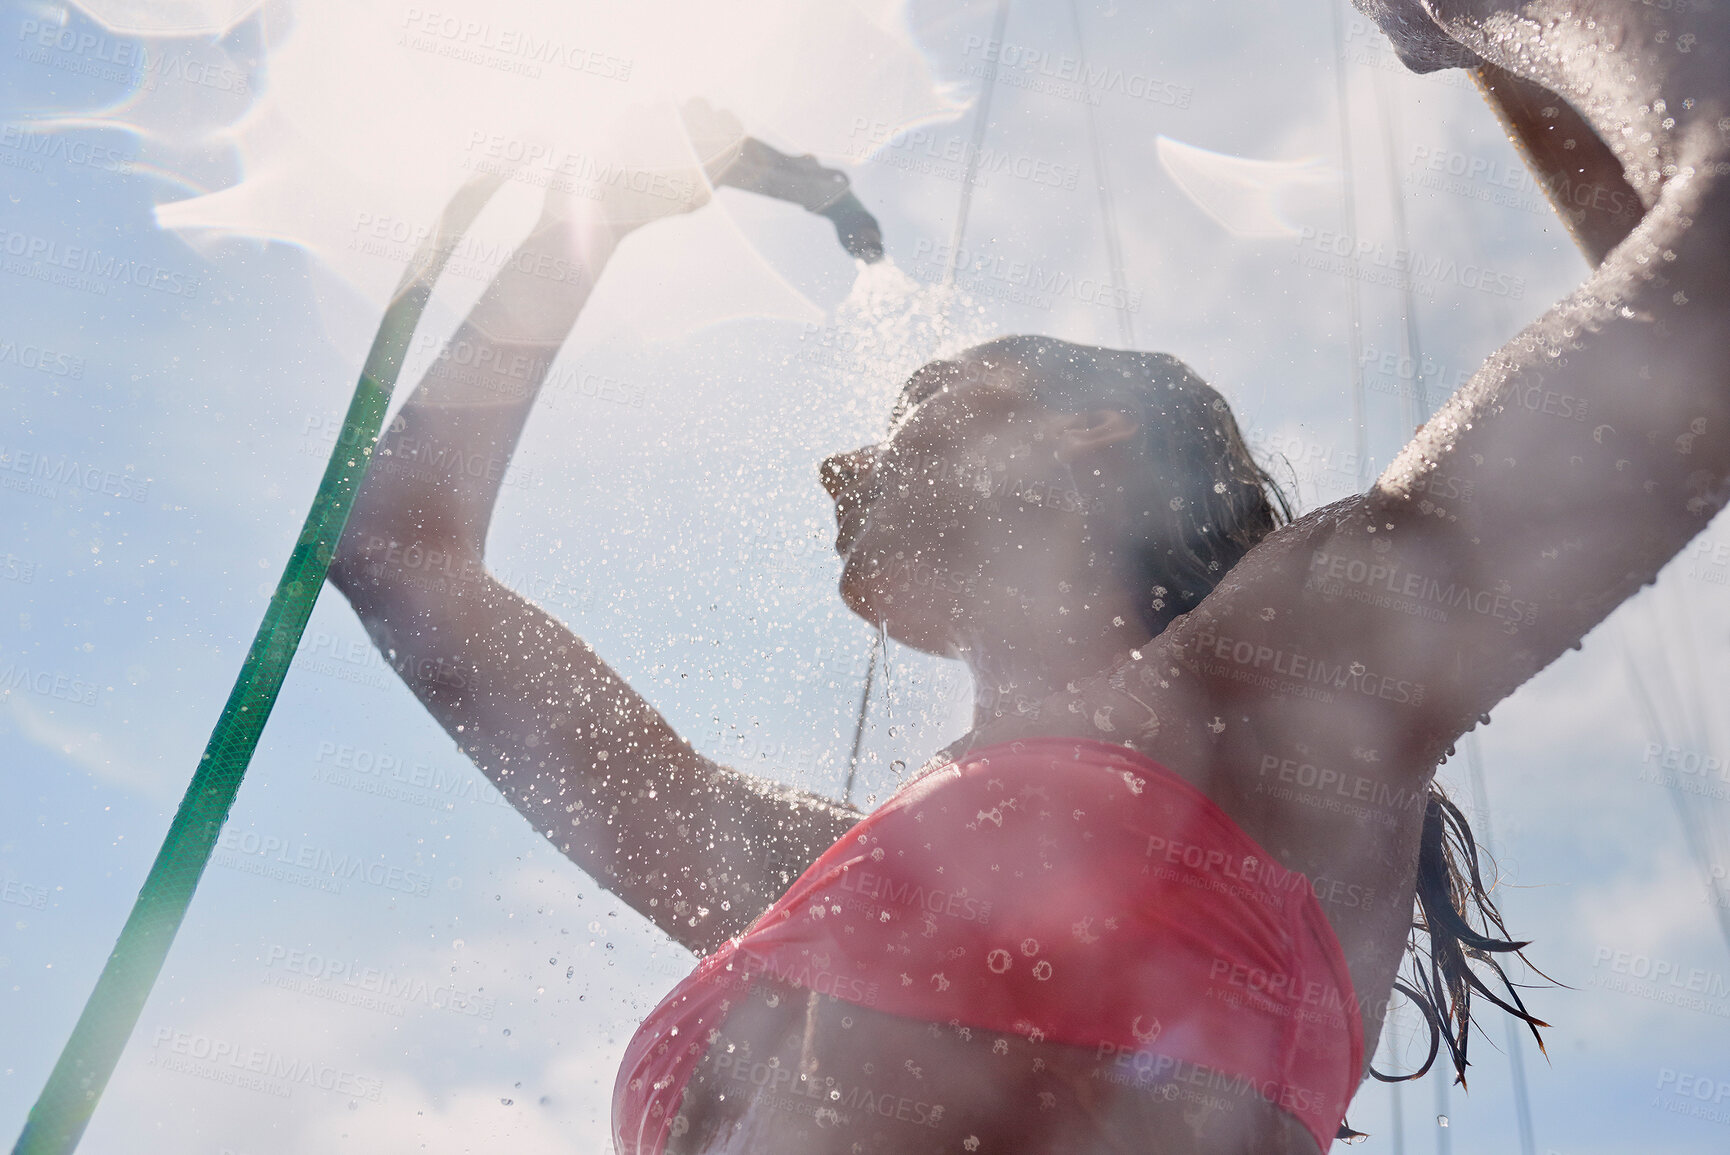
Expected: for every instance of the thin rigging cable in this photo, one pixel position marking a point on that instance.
(1516, 1038)
(1390, 1032)
(1107, 213)
(859, 728)
(1414, 395)
(1716, 854)
(981, 121)
(1414, 392)
(1348, 211)
(963, 210)
(1695, 835)
(1697, 830)
(1444, 1124)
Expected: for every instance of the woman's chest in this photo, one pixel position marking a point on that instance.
(827, 1078)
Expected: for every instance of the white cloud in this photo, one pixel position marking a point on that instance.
(86, 746)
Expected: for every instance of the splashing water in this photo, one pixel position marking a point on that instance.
(888, 326)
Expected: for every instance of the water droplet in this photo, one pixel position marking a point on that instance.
(1441, 1120)
(898, 767)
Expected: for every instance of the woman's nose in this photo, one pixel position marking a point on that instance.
(843, 470)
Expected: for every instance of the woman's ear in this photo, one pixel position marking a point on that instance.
(1084, 435)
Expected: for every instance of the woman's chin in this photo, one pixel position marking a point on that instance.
(906, 620)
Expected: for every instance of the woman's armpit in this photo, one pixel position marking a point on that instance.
(1328, 635)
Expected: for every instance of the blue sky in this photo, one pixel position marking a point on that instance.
(164, 427)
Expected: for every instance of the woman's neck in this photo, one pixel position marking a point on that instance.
(1074, 638)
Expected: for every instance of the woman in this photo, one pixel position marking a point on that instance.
(1157, 897)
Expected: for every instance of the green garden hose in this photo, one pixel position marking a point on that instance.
(64, 1108)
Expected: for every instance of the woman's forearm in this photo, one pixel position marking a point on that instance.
(1575, 464)
(1574, 167)
(437, 470)
(1573, 467)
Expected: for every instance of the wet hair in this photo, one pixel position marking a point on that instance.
(1206, 503)
(1450, 887)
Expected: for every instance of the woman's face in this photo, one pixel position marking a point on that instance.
(951, 521)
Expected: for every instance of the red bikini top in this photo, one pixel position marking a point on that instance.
(1063, 889)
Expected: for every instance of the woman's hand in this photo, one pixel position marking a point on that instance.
(715, 151)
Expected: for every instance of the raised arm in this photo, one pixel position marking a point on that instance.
(698, 849)
(1583, 456)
